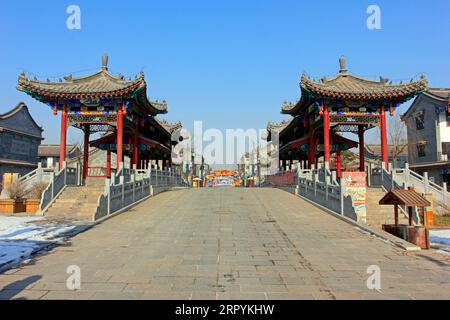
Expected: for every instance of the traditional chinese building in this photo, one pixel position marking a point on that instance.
(346, 103)
(49, 154)
(115, 107)
(428, 128)
(20, 137)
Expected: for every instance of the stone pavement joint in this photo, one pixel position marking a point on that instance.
(228, 243)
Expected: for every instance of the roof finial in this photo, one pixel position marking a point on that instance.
(343, 64)
(105, 62)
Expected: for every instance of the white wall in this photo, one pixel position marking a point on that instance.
(443, 128)
(50, 162)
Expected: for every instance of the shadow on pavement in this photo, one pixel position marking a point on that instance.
(11, 290)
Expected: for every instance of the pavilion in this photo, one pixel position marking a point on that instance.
(346, 103)
(116, 107)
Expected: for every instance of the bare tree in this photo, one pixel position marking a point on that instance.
(396, 137)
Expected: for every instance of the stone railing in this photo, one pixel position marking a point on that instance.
(325, 193)
(405, 178)
(36, 176)
(129, 187)
(58, 182)
(319, 186)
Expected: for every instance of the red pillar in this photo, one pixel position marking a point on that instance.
(384, 149)
(139, 162)
(62, 145)
(87, 132)
(119, 136)
(338, 163)
(326, 135)
(311, 153)
(108, 163)
(362, 167)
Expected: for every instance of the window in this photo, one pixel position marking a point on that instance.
(421, 150)
(44, 162)
(420, 119)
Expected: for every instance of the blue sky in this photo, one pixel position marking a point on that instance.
(229, 63)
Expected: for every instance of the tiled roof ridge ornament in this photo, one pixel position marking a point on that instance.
(105, 60)
(384, 80)
(169, 126)
(343, 64)
(287, 104)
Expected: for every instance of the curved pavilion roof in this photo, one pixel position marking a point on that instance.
(168, 126)
(345, 85)
(101, 84)
(271, 126)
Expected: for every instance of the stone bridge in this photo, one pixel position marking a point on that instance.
(229, 243)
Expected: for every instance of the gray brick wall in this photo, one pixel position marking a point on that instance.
(428, 133)
(20, 144)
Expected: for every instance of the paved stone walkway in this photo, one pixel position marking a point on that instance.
(228, 244)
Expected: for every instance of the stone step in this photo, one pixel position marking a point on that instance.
(84, 199)
(378, 207)
(74, 214)
(84, 191)
(89, 205)
(375, 196)
(377, 214)
(87, 216)
(75, 204)
(75, 195)
(78, 203)
(66, 201)
(95, 182)
(60, 213)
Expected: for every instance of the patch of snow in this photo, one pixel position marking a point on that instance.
(440, 237)
(20, 237)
